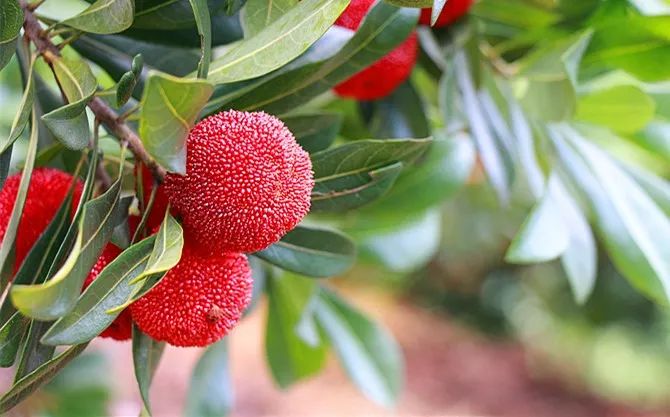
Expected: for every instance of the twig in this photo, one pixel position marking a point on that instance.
(103, 113)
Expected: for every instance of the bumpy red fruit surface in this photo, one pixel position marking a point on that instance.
(247, 182)
(452, 11)
(198, 301)
(385, 75)
(46, 192)
(121, 327)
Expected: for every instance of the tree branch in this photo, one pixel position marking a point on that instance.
(104, 114)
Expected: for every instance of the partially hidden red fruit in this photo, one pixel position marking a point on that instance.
(160, 204)
(198, 301)
(381, 78)
(121, 327)
(46, 192)
(452, 11)
(247, 182)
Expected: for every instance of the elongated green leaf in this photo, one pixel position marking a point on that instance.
(146, 355)
(11, 334)
(436, 10)
(28, 384)
(167, 248)
(544, 235)
(24, 109)
(625, 109)
(5, 162)
(57, 296)
(420, 4)
(580, 259)
(354, 174)
(314, 131)
(258, 14)
(104, 17)
(69, 123)
(367, 352)
(279, 43)
(11, 20)
(632, 226)
(12, 226)
(312, 252)
(89, 316)
(490, 153)
(204, 24)
(384, 28)
(290, 357)
(169, 108)
(210, 393)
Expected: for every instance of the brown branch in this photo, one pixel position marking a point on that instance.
(104, 114)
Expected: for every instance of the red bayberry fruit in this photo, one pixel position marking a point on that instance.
(46, 192)
(452, 11)
(121, 327)
(157, 213)
(198, 301)
(247, 182)
(381, 78)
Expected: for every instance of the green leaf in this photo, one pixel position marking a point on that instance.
(57, 296)
(490, 153)
(312, 252)
(290, 357)
(169, 108)
(89, 316)
(28, 384)
(258, 14)
(580, 259)
(631, 225)
(69, 123)
(7, 246)
(167, 248)
(314, 131)
(5, 162)
(11, 21)
(11, 334)
(279, 43)
(399, 115)
(204, 24)
(328, 64)
(624, 109)
(23, 113)
(639, 45)
(104, 17)
(167, 15)
(210, 392)
(146, 355)
(356, 173)
(543, 235)
(552, 71)
(369, 355)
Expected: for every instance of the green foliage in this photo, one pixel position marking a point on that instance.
(11, 20)
(104, 17)
(169, 108)
(210, 393)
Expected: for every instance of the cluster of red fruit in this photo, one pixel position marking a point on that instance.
(385, 75)
(247, 183)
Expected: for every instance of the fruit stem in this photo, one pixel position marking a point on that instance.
(103, 113)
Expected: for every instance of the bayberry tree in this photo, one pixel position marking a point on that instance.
(172, 162)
